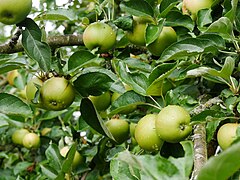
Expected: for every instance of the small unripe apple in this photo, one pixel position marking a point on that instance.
(31, 140)
(192, 7)
(137, 35)
(45, 131)
(165, 39)
(99, 35)
(18, 135)
(31, 88)
(119, 128)
(227, 134)
(102, 101)
(14, 11)
(173, 124)
(77, 159)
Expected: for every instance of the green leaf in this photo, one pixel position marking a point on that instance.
(67, 163)
(12, 105)
(166, 6)
(34, 47)
(227, 68)
(176, 18)
(157, 77)
(94, 81)
(124, 22)
(136, 80)
(54, 157)
(125, 102)
(202, 116)
(48, 171)
(135, 65)
(222, 166)
(21, 166)
(204, 17)
(92, 118)
(223, 26)
(79, 59)
(149, 166)
(137, 8)
(192, 46)
(152, 32)
(57, 14)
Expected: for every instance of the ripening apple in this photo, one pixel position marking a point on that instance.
(137, 35)
(173, 124)
(99, 35)
(165, 39)
(191, 7)
(146, 134)
(227, 134)
(14, 11)
(31, 140)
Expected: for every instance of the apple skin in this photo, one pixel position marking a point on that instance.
(77, 159)
(173, 124)
(31, 140)
(191, 7)
(31, 89)
(119, 128)
(227, 134)
(18, 135)
(101, 102)
(57, 93)
(137, 35)
(99, 35)
(146, 135)
(165, 39)
(14, 11)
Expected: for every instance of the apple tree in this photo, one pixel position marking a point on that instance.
(109, 89)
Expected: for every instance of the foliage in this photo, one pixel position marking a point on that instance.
(203, 64)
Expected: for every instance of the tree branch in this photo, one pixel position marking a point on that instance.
(199, 138)
(54, 42)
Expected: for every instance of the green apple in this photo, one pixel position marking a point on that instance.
(191, 7)
(31, 140)
(57, 93)
(137, 35)
(165, 39)
(99, 35)
(173, 124)
(77, 159)
(227, 134)
(18, 135)
(146, 135)
(119, 128)
(31, 89)
(14, 11)
(101, 102)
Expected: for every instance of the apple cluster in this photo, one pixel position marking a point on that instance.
(171, 124)
(25, 138)
(14, 11)
(55, 93)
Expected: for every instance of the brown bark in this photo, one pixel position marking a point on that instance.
(54, 42)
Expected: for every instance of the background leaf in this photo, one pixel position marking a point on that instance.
(12, 105)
